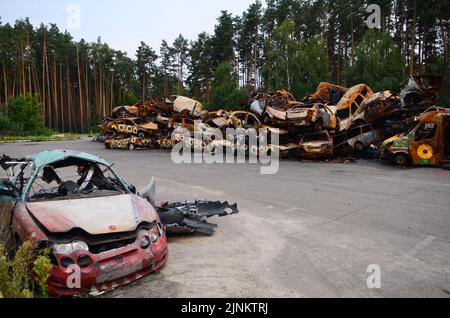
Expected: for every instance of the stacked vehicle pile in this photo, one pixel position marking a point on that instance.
(148, 124)
(334, 121)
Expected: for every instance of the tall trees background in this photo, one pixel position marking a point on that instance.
(292, 44)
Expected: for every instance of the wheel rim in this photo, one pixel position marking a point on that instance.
(401, 160)
(359, 146)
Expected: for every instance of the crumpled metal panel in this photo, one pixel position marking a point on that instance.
(48, 157)
(102, 215)
(188, 217)
(183, 103)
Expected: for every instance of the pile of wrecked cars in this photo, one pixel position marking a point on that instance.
(334, 121)
(92, 221)
(148, 124)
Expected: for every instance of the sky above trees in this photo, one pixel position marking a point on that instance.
(284, 44)
(124, 24)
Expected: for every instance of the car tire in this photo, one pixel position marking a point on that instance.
(402, 160)
(359, 146)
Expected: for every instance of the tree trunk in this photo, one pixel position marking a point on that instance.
(353, 42)
(44, 106)
(87, 90)
(69, 103)
(24, 84)
(143, 86)
(111, 95)
(413, 40)
(80, 91)
(55, 94)
(48, 98)
(338, 66)
(35, 81)
(63, 127)
(5, 82)
(444, 40)
(29, 77)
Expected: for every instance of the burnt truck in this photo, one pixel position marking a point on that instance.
(427, 144)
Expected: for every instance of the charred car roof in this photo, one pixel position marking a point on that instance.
(49, 157)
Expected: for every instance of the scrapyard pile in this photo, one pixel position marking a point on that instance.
(148, 124)
(334, 121)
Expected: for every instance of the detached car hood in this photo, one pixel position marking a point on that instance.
(100, 215)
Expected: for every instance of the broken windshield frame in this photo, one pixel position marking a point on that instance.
(321, 137)
(98, 180)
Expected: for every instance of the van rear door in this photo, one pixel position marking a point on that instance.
(446, 137)
(423, 148)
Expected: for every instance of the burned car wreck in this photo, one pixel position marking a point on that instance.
(76, 205)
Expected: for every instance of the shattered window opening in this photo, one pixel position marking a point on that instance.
(425, 131)
(74, 179)
(316, 138)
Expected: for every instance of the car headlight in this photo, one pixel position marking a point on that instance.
(154, 237)
(144, 242)
(69, 248)
(66, 262)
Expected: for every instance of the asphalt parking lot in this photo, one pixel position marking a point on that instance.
(311, 230)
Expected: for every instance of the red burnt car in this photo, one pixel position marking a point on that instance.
(95, 224)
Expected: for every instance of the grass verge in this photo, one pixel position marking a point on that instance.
(58, 137)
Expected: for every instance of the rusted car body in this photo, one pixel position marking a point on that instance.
(317, 116)
(125, 112)
(380, 106)
(326, 93)
(218, 119)
(130, 126)
(347, 109)
(277, 100)
(427, 144)
(317, 145)
(244, 119)
(360, 138)
(280, 109)
(182, 103)
(128, 142)
(420, 92)
(96, 225)
(169, 105)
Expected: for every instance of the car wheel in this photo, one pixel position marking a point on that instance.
(401, 160)
(359, 146)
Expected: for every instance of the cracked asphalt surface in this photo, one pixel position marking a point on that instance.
(311, 230)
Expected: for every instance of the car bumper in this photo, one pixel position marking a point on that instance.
(315, 153)
(108, 270)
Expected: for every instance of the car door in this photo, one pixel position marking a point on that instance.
(424, 146)
(446, 138)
